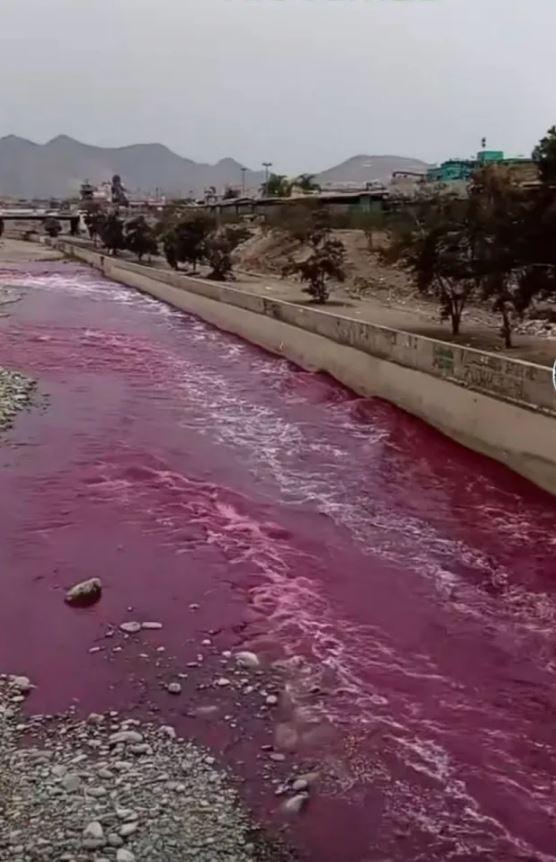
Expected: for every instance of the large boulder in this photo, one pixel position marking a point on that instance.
(85, 593)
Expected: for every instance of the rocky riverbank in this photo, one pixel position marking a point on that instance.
(15, 392)
(113, 790)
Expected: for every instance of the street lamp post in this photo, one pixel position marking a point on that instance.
(243, 172)
(266, 166)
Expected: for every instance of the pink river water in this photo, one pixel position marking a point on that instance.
(406, 586)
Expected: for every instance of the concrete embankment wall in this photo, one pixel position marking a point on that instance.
(501, 407)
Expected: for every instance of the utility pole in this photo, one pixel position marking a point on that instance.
(243, 172)
(266, 166)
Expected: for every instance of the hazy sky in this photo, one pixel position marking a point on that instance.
(302, 83)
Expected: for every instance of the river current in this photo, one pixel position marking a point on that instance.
(404, 587)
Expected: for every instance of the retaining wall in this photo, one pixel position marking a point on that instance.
(502, 407)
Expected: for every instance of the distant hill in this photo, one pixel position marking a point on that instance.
(58, 168)
(365, 169)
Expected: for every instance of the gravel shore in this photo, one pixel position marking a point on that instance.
(15, 392)
(113, 790)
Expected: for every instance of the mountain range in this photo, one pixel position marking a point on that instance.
(57, 169)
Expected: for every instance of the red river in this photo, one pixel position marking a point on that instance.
(405, 586)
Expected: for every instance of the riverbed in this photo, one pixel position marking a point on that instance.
(399, 589)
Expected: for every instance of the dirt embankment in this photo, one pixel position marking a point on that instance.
(385, 295)
(19, 251)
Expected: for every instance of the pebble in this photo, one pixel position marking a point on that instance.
(93, 830)
(130, 628)
(125, 736)
(295, 804)
(174, 688)
(128, 829)
(223, 682)
(151, 626)
(114, 840)
(168, 731)
(277, 757)
(96, 792)
(71, 783)
(271, 700)
(124, 855)
(86, 591)
(22, 684)
(248, 660)
(124, 813)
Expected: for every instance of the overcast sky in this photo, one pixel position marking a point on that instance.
(302, 83)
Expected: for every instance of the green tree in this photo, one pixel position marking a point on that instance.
(230, 194)
(497, 243)
(277, 186)
(140, 237)
(306, 182)
(325, 262)
(112, 234)
(94, 220)
(544, 155)
(442, 262)
(219, 255)
(185, 241)
(514, 231)
(53, 227)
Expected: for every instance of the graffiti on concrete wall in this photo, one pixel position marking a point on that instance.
(487, 373)
(443, 359)
(495, 374)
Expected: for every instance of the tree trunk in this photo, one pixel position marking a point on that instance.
(455, 317)
(506, 328)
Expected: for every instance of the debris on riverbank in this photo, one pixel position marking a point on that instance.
(15, 393)
(114, 789)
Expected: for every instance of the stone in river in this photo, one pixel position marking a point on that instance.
(174, 688)
(247, 659)
(85, 593)
(295, 804)
(131, 628)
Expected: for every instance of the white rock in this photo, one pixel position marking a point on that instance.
(151, 626)
(131, 628)
(114, 840)
(223, 682)
(71, 783)
(21, 683)
(271, 700)
(128, 829)
(168, 731)
(124, 855)
(295, 804)
(96, 792)
(93, 830)
(123, 813)
(86, 591)
(174, 688)
(248, 659)
(125, 736)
